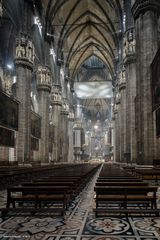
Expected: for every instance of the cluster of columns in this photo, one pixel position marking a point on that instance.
(56, 130)
(133, 118)
(53, 110)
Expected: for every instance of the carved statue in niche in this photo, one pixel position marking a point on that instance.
(130, 35)
(55, 96)
(33, 53)
(20, 51)
(39, 74)
(122, 75)
(29, 50)
(23, 40)
(125, 47)
(131, 46)
(25, 48)
(118, 97)
(59, 97)
(48, 77)
(43, 76)
(131, 42)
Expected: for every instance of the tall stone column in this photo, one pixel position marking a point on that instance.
(64, 132)
(24, 66)
(146, 19)
(122, 113)
(78, 140)
(70, 136)
(129, 59)
(116, 118)
(44, 88)
(56, 103)
(113, 138)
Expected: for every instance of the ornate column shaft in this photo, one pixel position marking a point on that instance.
(44, 88)
(122, 113)
(64, 132)
(77, 139)
(70, 136)
(113, 138)
(56, 103)
(146, 19)
(24, 66)
(130, 66)
(117, 132)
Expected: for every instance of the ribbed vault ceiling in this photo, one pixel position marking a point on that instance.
(83, 28)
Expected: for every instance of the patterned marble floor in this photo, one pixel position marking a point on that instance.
(78, 224)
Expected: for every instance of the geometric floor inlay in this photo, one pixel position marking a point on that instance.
(105, 226)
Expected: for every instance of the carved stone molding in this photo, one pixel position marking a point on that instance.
(141, 6)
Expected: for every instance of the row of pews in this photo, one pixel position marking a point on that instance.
(151, 172)
(120, 192)
(53, 193)
(12, 175)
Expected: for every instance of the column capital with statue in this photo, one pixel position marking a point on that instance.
(129, 46)
(55, 96)
(65, 107)
(43, 78)
(25, 51)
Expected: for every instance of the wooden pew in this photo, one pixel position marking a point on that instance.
(148, 174)
(70, 185)
(124, 195)
(105, 183)
(77, 183)
(117, 177)
(118, 180)
(58, 195)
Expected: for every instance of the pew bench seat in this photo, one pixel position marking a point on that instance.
(57, 196)
(125, 196)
